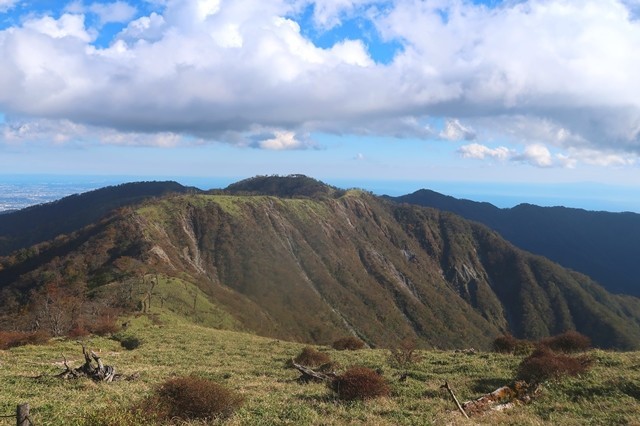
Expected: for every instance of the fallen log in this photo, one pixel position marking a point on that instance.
(310, 375)
(97, 373)
(505, 397)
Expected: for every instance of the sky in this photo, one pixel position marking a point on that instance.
(528, 100)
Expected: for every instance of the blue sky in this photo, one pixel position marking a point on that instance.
(531, 100)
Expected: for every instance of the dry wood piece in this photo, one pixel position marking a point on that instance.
(98, 373)
(448, 388)
(309, 375)
(502, 398)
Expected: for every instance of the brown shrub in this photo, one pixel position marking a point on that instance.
(348, 343)
(78, 331)
(507, 344)
(360, 383)
(189, 398)
(11, 339)
(404, 355)
(104, 326)
(567, 342)
(312, 358)
(543, 365)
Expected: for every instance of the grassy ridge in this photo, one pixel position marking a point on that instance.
(255, 367)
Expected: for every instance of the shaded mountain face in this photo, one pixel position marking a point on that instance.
(24, 228)
(602, 245)
(314, 269)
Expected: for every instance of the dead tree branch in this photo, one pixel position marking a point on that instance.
(448, 388)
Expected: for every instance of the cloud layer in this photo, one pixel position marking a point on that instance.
(538, 76)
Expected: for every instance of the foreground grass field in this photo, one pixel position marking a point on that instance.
(256, 367)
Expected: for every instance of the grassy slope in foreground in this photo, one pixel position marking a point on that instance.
(254, 366)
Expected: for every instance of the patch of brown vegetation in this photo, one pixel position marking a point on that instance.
(12, 339)
(349, 343)
(191, 398)
(567, 342)
(544, 364)
(312, 358)
(360, 383)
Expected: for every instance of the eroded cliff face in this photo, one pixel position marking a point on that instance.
(314, 269)
(355, 264)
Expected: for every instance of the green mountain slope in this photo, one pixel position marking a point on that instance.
(314, 269)
(602, 245)
(24, 228)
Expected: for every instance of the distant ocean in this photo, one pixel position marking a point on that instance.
(20, 191)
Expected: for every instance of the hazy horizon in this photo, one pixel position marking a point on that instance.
(19, 191)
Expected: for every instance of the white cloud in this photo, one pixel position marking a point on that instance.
(65, 132)
(284, 140)
(529, 74)
(603, 159)
(537, 155)
(455, 131)
(147, 28)
(481, 152)
(66, 26)
(118, 11)
(6, 5)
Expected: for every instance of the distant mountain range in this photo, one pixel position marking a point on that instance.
(602, 245)
(23, 228)
(294, 258)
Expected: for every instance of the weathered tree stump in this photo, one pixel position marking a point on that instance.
(98, 372)
(22, 415)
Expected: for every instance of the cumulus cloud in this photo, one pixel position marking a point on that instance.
(284, 140)
(533, 73)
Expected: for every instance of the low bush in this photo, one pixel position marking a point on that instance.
(191, 398)
(349, 343)
(104, 326)
(130, 342)
(360, 383)
(404, 355)
(568, 342)
(544, 364)
(507, 344)
(12, 339)
(312, 358)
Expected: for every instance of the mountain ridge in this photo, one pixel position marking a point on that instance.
(602, 245)
(312, 269)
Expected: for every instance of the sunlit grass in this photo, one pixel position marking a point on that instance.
(256, 367)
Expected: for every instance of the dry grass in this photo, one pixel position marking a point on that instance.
(254, 367)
